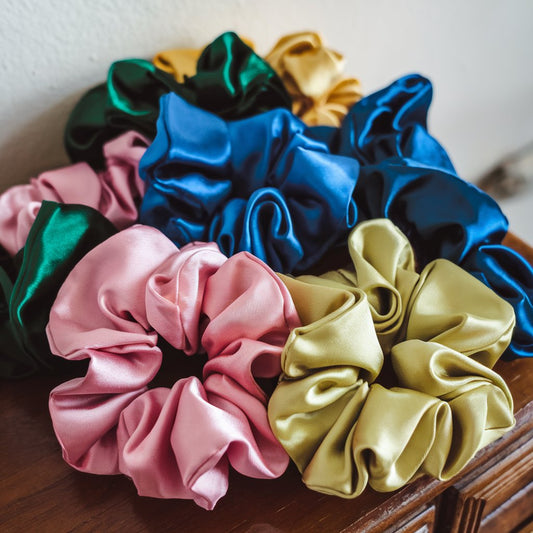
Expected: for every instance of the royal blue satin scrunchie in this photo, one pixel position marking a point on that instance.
(258, 184)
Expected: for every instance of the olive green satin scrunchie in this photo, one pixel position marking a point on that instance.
(390, 375)
(60, 236)
(231, 81)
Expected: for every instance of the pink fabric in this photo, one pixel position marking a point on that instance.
(115, 192)
(178, 442)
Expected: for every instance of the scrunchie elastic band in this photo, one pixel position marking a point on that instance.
(178, 442)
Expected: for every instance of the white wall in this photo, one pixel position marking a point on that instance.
(478, 53)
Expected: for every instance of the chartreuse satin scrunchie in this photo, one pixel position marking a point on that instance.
(231, 80)
(389, 377)
(259, 184)
(60, 236)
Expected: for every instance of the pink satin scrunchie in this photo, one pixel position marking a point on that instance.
(115, 192)
(173, 443)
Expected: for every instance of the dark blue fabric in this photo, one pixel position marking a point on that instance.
(390, 122)
(259, 184)
(511, 276)
(442, 215)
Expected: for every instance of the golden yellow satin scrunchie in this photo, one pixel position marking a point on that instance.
(181, 62)
(313, 77)
(350, 416)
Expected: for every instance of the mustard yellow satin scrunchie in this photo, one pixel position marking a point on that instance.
(389, 377)
(181, 62)
(313, 77)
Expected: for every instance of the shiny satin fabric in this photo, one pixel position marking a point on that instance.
(172, 442)
(115, 192)
(443, 215)
(60, 236)
(257, 184)
(312, 74)
(391, 122)
(389, 377)
(230, 80)
(510, 275)
(181, 62)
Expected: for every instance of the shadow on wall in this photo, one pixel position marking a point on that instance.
(36, 145)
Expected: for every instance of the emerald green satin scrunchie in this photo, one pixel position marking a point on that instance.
(231, 81)
(60, 236)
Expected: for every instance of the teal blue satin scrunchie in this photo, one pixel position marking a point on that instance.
(407, 176)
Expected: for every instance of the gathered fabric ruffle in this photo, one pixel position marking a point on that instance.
(173, 442)
(312, 74)
(391, 122)
(389, 377)
(115, 192)
(258, 184)
(231, 80)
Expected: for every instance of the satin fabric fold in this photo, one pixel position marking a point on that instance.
(313, 77)
(60, 236)
(442, 215)
(392, 122)
(257, 184)
(115, 192)
(177, 442)
(231, 80)
(389, 377)
(181, 62)
(510, 275)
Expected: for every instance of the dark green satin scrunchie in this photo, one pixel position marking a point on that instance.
(231, 81)
(60, 236)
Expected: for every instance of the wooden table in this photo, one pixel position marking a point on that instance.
(39, 492)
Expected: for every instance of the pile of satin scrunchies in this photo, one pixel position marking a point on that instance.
(213, 197)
